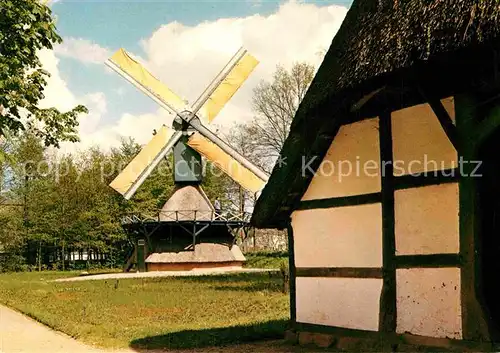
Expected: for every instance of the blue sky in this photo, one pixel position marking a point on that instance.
(124, 23)
(112, 24)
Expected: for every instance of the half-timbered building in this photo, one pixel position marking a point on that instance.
(388, 182)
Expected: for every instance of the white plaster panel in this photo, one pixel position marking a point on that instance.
(351, 165)
(419, 142)
(341, 302)
(338, 237)
(428, 302)
(427, 220)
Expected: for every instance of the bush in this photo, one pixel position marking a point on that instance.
(12, 262)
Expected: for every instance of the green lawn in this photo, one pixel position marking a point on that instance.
(153, 313)
(264, 259)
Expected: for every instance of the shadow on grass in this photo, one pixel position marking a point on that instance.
(276, 287)
(244, 282)
(229, 278)
(212, 337)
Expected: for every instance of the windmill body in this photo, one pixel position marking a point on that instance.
(187, 234)
(188, 167)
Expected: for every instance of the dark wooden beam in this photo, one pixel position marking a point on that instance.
(387, 318)
(489, 125)
(194, 234)
(434, 260)
(148, 234)
(340, 272)
(293, 274)
(341, 201)
(360, 103)
(474, 324)
(205, 226)
(429, 178)
(441, 114)
(445, 121)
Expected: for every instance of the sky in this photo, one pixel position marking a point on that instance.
(184, 43)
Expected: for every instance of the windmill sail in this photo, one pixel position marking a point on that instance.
(226, 163)
(211, 102)
(130, 178)
(228, 87)
(142, 77)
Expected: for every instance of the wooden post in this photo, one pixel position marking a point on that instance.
(242, 200)
(63, 253)
(387, 318)
(474, 325)
(141, 261)
(194, 235)
(39, 256)
(292, 279)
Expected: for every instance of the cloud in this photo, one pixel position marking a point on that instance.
(83, 50)
(93, 128)
(140, 127)
(57, 93)
(97, 105)
(186, 58)
(49, 2)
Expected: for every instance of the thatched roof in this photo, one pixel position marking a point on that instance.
(185, 199)
(386, 53)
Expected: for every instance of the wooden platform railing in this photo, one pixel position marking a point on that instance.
(186, 215)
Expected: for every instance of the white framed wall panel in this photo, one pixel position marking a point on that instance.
(351, 165)
(341, 302)
(427, 220)
(338, 237)
(419, 142)
(428, 302)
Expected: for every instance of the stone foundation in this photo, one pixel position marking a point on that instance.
(193, 266)
(374, 342)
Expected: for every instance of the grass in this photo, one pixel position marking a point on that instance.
(266, 259)
(153, 312)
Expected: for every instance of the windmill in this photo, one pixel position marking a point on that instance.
(188, 212)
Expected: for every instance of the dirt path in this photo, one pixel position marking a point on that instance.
(21, 334)
(121, 275)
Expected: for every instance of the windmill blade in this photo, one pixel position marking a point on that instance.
(197, 125)
(218, 79)
(232, 81)
(135, 73)
(243, 176)
(134, 174)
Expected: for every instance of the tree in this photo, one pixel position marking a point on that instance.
(26, 27)
(274, 104)
(67, 205)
